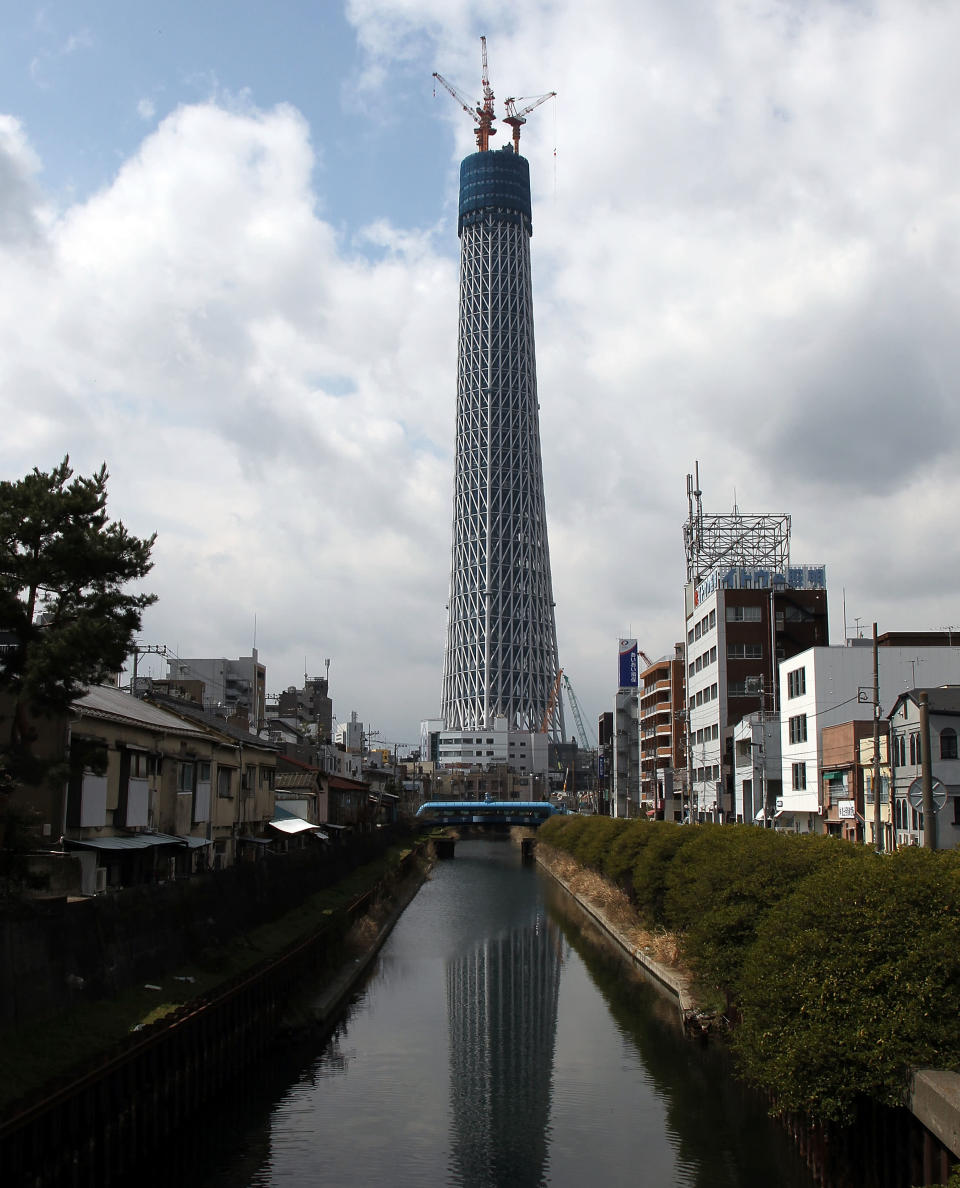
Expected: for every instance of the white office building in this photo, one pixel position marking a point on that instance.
(826, 686)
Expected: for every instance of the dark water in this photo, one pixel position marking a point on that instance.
(497, 1042)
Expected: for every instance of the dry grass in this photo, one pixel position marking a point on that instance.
(610, 902)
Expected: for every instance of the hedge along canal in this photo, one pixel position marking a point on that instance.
(97, 1124)
(721, 882)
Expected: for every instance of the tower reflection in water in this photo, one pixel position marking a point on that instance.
(502, 1014)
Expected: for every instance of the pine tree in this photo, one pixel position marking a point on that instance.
(65, 619)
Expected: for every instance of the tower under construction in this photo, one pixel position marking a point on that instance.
(500, 662)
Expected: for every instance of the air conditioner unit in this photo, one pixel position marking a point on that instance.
(100, 884)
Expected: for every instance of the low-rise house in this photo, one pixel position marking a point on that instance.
(906, 764)
(149, 792)
(344, 802)
(842, 788)
(241, 785)
(866, 765)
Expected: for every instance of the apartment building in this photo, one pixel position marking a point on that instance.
(662, 729)
(740, 623)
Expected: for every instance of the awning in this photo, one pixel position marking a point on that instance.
(259, 841)
(290, 824)
(134, 841)
(194, 843)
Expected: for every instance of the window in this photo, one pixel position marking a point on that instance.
(713, 691)
(915, 748)
(739, 651)
(797, 682)
(690, 636)
(948, 743)
(868, 788)
(713, 618)
(224, 782)
(744, 614)
(798, 728)
(799, 776)
(698, 630)
(203, 772)
(138, 763)
(185, 770)
(713, 654)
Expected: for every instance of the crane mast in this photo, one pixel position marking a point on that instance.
(577, 713)
(482, 110)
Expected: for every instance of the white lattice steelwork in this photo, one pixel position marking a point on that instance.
(736, 539)
(501, 652)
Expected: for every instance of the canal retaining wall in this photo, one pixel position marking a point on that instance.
(634, 943)
(93, 1127)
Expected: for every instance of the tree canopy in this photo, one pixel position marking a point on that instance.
(65, 619)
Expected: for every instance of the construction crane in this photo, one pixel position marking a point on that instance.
(517, 118)
(482, 110)
(551, 703)
(585, 739)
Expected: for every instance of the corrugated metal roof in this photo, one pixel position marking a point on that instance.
(134, 841)
(104, 701)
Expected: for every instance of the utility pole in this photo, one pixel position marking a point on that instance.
(139, 650)
(877, 825)
(926, 774)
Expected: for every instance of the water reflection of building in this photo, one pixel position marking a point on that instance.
(502, 1012)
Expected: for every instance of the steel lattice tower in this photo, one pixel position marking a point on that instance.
(501, 651)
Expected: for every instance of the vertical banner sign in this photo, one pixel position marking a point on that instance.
(629, 665)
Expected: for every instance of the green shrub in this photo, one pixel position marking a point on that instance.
(622, 855)
(561, 831)
(652, 866)
(721, 885)
(594, 843)
(854, 977)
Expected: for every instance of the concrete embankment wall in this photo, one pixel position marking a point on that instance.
(99, 1123)
(671, 982)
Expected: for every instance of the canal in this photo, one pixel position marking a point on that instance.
(498, 1041)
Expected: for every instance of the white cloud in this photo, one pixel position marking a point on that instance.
(146, 109)
(266, 400)
(745, 251)
(43, 63)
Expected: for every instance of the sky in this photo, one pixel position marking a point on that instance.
(228, 269)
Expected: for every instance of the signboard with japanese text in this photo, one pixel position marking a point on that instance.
(629, 664)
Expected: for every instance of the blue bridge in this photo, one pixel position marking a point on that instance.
(473, 813)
